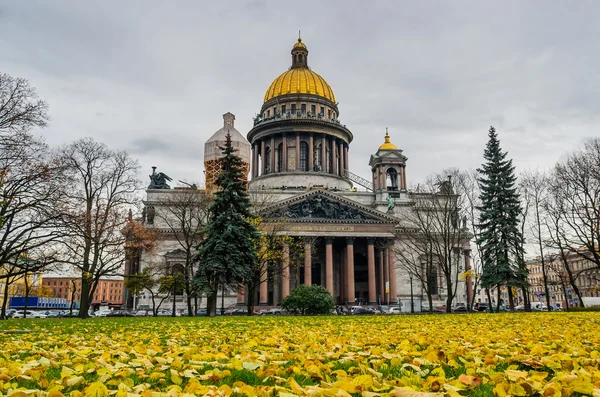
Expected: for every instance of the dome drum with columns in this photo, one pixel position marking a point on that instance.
(297, 139)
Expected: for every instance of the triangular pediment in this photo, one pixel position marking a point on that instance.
(323, 206)
(382, 156)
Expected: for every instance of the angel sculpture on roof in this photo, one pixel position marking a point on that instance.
(159, 180)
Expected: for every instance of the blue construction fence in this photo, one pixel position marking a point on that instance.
(35, 302)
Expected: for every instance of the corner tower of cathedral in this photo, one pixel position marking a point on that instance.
(297, 139)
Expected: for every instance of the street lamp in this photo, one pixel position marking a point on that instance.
(412, 299)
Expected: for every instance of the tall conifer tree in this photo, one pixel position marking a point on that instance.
(500, 237)
(227, 254)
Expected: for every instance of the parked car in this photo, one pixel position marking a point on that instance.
(362, 311)
(119, 313)
(482, 307)
(353, 308)
(394, 310)
(10, 312)
(141, 313)
(28, 314)
(67, 313)
(539, 307)
(102, 313)
(460, 309)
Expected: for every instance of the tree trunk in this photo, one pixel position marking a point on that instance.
(5, 303)
(212, 310)
(564, 288)
(84, 303)
(251, 289)
(572, 280)
(489, 296)
(511, 299)
(499, 299)
(430, 299)
(174, 307)
(25, 281)
(526, 302)
(222, 301)
(450, 295)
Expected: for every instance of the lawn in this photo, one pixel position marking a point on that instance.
(520, 354)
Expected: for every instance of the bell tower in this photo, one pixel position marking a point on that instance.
(388, 167)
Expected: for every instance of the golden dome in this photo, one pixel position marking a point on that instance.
(299, 79)
(387, 145)
(300, 44)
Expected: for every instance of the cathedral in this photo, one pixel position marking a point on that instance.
(297, 154)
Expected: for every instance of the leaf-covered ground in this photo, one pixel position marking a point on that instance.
(520, 354)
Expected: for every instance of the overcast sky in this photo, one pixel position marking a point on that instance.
(154, 78)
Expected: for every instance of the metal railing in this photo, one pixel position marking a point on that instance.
(358, 179)
(296, 116)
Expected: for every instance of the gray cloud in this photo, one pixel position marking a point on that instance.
(154, 78)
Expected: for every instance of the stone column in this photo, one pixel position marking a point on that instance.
(386, 276)
(371, 271)
(346, 159)
(263, 288)
(334, 156)
(262, 157)
(240, 296)
(393, 281)
(311, 154)
(381, 277)
(341, 156)
(343, 275)
(284, 153)
(285, 272)
(323, 153)
(297, 151)
(350, 295)
(253, 163)
(307, 262)
(329, 264)
(273, 168)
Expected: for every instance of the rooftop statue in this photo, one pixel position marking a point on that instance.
(159, 180)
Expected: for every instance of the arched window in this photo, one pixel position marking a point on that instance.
(391, 179)
(268, 160)
(279, 157)
(303, 156)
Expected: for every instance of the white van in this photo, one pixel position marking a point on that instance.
(539, 307)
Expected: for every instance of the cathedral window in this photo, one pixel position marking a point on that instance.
(268, 113)
(322, 110)
(313, 109)
(303, 108)
(282, 109)
(303, 156)
(293, 108)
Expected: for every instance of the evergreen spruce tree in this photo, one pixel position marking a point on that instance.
(227, 254)
(499, 236)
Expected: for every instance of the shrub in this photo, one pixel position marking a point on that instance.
(309, 299)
